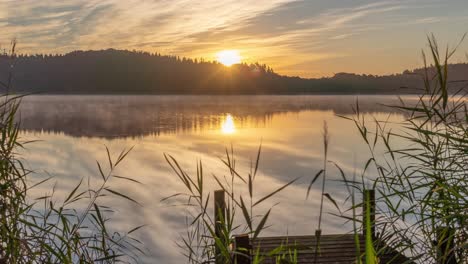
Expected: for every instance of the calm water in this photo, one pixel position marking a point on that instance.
(74, 130)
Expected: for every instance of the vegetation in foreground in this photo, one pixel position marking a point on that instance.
(48, 230)
(422, 187)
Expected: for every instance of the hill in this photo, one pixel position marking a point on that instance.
(129, 72)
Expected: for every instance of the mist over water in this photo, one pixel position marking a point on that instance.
(130, 116)
(74, 130)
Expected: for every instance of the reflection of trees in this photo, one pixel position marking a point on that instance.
(114, 116)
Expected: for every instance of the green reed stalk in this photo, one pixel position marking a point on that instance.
(58, 231)
(202, 244)
(423, 185)
(326, 139)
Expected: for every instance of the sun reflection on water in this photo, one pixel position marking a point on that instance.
(286, 154)
(228, 126)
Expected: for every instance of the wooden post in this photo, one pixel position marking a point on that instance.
(220, 217)
(243, 250)
(368, 194)
(445, 245)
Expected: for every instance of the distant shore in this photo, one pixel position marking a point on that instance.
(124, 72)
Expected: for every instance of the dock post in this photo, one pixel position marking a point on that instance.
(220, 218)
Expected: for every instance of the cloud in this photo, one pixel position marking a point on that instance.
(122, 24)
(286, 41)
(277, 32)
(341, 36)
(75, 24)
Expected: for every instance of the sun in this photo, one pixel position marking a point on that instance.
(228, 57)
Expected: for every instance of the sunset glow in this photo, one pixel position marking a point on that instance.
(228, 57)
(296, 38)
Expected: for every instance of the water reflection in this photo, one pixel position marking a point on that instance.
(136, 116)
(228, 126)
(290, 132)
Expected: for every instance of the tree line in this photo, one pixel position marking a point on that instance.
(132, 72)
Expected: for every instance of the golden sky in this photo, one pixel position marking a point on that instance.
(309, 38)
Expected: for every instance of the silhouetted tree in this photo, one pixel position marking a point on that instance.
(127, 72)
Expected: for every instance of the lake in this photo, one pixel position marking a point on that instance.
(74, 130)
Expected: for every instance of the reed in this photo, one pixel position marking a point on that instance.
(202, 243)
(47, 229)
(422, 185)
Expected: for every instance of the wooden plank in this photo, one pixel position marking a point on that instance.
(338, 249)
(243, 250)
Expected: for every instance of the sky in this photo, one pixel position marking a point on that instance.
(307, 38)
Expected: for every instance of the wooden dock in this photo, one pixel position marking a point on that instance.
(337, 249)
(332, 249)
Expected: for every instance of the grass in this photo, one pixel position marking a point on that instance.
(202, 243)
(370, 253)
(75, 229)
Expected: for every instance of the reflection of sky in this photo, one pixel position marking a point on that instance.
(291, 148)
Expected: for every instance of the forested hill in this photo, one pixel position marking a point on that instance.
(126, 72)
